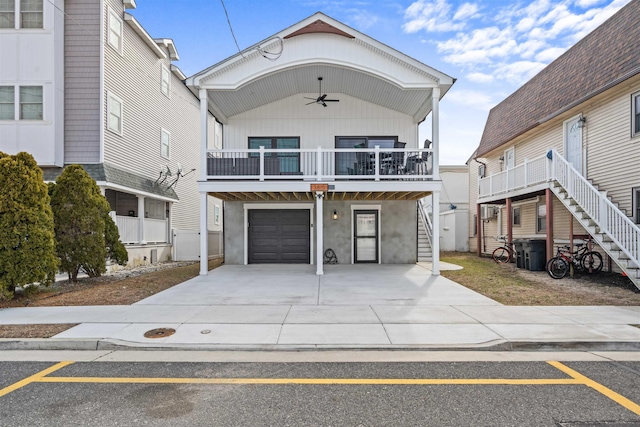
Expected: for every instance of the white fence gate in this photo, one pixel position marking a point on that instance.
(186, 244)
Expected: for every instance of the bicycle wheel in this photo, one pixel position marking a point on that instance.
(557, 267)
(501, 255)
(591, 262)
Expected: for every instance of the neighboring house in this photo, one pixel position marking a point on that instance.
(454, 208)
(558, 159)
(300, 172)
(82, 82)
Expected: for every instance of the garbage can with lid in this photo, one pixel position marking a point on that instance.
(535, 255)
(519, 253)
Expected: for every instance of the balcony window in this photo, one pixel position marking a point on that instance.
(7, 103)
(31, 14)
(289, 161)
(346, 162)
(30, 102)
(7, 14)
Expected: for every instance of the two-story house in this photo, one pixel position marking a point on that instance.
(82, 82)
(558, 159)
(320, 148)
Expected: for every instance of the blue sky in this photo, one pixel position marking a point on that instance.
(490, 46)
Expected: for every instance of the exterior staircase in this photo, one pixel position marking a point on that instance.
(610, 228)
(425, 253)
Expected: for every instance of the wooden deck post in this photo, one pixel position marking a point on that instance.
(549, 222)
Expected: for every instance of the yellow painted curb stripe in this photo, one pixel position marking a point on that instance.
(618, 398)
(311, 381)
(33, 378)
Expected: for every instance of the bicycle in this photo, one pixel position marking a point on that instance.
(504, 253)
(582, 259)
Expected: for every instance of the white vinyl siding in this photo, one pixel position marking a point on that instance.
(7, 103)
(165, 143)
(165, 81)
(114, 113)
(31, 14)
(115, 31)
(7, 13)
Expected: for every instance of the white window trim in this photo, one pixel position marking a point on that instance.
(216, 215)
(163, 72)
(513, 217)
(634, 134)
(113, 15)
(111, 96)
(506, 157)
(538, 229)
(18, 105)
(164, 132)
(16, 95)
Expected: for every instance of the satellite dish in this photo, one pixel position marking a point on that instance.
(179, 169)
(168, 172)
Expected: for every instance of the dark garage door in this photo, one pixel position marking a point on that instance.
(279, 236)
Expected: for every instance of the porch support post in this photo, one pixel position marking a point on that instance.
(435, 132)
(141, 215)
(435, 233)
(204, 236)
(204, 123)
(509, 222)
(478, 230)
(548, 195)
(319, 233)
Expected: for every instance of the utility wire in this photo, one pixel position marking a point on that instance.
(231, 28)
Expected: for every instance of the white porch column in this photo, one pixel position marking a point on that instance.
(204, 236)
(435, 132)
(141, 214)
(204, 131)
(435, 241)
(319, 233)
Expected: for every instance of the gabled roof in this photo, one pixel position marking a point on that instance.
(319, 46)
(607, 56)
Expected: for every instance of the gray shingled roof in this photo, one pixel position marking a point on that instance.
(608, 55)
(114, 175)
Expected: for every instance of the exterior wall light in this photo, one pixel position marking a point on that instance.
(582, 121)
(335, 215)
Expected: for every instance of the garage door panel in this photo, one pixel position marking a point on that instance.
(279, 236)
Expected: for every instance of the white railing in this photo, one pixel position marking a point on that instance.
(321, 164)
(129, 229)
(426, 220)
(620, 229)
(155, 230)
(529, 173)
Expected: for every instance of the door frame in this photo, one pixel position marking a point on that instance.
(264, 206)
(565, 139)
(377, 208)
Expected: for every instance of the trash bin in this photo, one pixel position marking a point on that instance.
(535, 255)
(519, 253)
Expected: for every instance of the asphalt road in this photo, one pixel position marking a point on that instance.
(320, 394)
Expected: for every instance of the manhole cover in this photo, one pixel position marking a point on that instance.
(159, 333)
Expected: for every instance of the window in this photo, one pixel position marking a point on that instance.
(165, 141)
(7, 103)
(165, 82)
(216, 215)
(31, 14)
(475, 225)
(346, 162)
(30, 102)
(114, 110)
(636, 204)
(7, 14)
(289, 161)
(636, 114)
(541, 218)
(115, 31)
(515, 216)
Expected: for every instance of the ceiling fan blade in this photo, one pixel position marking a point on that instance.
(312, 102)
(306, 97)
(330, 100)
(323, 104)
(321, 98)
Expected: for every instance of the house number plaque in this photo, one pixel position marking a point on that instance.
(319, 187)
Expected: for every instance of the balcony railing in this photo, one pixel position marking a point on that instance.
(527, 174)
(155, 230)
(321, 164)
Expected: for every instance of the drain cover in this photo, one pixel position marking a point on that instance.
(159, 333)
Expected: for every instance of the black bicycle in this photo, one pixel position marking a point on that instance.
(582, 259)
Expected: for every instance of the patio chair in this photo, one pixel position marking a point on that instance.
(419, 163)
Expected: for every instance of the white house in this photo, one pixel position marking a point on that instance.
(82, 82)
(320, 148)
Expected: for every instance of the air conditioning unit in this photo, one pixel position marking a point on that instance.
(488, 212)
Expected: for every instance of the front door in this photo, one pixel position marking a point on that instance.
(573, 143)
(365, 238)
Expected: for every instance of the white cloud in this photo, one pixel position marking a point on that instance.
(471, 98)
(480, 77)
(467, 10)
(587, 3)
(364, 19)
(434, 16)
(519, 72)
(548, 55)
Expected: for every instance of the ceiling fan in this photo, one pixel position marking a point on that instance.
(321, 99)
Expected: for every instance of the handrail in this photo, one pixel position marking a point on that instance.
(622, 231)
(426, 221)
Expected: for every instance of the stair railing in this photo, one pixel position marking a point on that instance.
(426, 221)
(611, 220)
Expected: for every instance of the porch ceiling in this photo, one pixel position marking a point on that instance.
(310, 196)
(303, 81)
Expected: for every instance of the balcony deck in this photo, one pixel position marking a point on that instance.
(526, 178)
(351, 174)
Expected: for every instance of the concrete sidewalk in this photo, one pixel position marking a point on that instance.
(350, 307)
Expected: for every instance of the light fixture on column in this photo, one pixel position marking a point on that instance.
(335, 215)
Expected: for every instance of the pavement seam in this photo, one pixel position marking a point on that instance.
(282, 324)
(384, 327)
